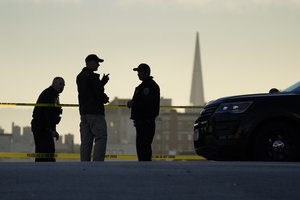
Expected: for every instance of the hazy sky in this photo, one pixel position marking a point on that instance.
(247, 46)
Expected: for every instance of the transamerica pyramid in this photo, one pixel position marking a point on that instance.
(197, 91)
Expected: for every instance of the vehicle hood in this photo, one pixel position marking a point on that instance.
(248, 97)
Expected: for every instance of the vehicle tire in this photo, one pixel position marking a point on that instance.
(277, 142)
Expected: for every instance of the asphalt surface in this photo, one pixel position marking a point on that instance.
(150, 180)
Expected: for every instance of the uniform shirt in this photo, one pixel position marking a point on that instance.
(146, 101)
(46, 117)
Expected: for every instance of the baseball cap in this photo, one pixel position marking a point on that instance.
(93, 57)
(142, 67)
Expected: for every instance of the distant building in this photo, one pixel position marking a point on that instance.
(174, 133)
(69, 141)
(21, 143)
(197, 89)
(65, 144)
(27, 136)
(119, 125)
(16, 132)
(5, 141)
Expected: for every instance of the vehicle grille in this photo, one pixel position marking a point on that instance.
(201, 127)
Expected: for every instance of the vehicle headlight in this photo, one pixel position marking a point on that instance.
(236, 107)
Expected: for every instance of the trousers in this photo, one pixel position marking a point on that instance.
(93, 129)
(145, 131)
(44, 143)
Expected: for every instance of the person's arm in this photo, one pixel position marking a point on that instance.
(105, 79)
(98, 90)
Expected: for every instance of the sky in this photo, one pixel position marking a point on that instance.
(247, 46)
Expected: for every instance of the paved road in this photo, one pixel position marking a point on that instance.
(150, 180)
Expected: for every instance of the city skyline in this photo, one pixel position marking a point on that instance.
(69, 123)
(25, 131)
(21, 140)
(174, 133)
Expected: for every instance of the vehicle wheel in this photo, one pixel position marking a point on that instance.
(277, 142)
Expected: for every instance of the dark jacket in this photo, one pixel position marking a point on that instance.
(146, 101)
(46, 117)
(91, 94)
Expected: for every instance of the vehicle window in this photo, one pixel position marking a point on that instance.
(293, 88)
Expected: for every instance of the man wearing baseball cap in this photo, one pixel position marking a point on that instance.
(92, 98)
(144, 110)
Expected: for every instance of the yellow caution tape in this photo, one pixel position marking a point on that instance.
(76, 105)
(109, 156)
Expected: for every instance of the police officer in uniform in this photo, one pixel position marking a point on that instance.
(45, 119)
(144, 109)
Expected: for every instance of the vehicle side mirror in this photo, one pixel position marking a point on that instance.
(273, 90)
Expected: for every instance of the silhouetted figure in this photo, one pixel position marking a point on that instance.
(45, 119)
(273, 90)
(92, 98)
(144, 109)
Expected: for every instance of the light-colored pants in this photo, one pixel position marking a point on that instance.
(93, 128)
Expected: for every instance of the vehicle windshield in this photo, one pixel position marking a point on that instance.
(293, 88)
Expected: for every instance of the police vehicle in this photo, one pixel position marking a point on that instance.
(262, 127)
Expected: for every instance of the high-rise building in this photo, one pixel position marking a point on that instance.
(21, 143)
(16, 132)
(27, 135)
(69, 141)
(119, 125)
(197, 90)
(174, 133)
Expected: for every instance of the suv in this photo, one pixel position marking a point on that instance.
(251, 127)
